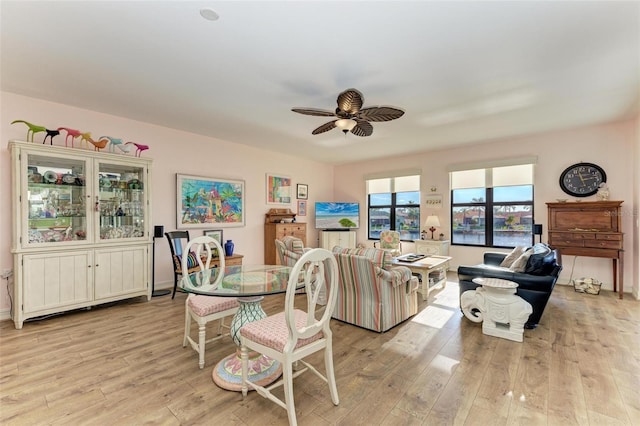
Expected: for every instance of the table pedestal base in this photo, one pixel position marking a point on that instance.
(263, 371)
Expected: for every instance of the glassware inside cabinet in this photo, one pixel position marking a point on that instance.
(56, 199)
(121, 201)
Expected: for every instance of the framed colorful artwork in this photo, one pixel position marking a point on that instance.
(278, 189)
(202, 202)
(302, 208)
(303, 191)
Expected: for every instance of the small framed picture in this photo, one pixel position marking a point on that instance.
(216, 234)
(303, 191)
(302, 208)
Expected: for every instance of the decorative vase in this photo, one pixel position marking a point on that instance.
(228, 248)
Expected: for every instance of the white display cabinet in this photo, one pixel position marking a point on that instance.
(344, 239)
(81, 233)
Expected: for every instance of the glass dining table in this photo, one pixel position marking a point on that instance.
(249, 284)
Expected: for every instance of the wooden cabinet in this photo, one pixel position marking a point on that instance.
(81, 233)
(279, 223)
(431, 247)
(344, 239)
(233, 260)
(591, 229)
(277, 231)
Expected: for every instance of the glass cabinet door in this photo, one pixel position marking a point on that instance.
(56, 199)
(121, 201)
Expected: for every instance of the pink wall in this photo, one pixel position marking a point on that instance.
(610, 146)
(172, 152)
(616, 147)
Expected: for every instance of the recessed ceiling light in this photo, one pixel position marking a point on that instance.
(209, 14)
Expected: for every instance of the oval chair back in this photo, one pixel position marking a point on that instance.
(292, 335)
(202, 309)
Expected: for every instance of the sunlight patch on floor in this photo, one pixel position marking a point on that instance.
(444, 363)
(433, 316)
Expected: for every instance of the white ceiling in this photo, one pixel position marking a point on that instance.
(464, 72)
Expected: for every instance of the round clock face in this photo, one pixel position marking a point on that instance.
(582, 179)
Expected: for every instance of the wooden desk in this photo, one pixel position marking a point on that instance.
(589, 228)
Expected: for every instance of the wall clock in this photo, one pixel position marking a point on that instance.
(582, 179)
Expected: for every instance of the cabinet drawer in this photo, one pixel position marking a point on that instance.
(569, 239)
(298, 231)
(600, 243)
(610, 237)
(424, 249)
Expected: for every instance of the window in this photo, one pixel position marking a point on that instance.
(394, 204)
(493, 206)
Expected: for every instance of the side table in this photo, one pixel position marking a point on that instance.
(502, 312)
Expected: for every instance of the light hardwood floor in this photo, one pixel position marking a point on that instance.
(125, 365)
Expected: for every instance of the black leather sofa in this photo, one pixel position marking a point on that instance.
(534, 285)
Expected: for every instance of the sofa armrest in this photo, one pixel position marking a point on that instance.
(494, 258)
(395, 276)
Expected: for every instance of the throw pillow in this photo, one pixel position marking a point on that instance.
(511, 257)
(520, 264)
(192, 261)
(541, 260)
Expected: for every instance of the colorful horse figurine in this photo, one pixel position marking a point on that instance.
(124, 148)
(50, 134)
(139, 147)
(33, 128)
(85, 137)
(113, 142)
(73, 133)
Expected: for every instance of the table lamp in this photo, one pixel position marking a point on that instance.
(431, 223)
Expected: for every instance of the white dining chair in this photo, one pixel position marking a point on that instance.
(293, 334)
(204, 309)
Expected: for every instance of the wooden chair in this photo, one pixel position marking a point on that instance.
(293, 334)
(177, 241)
(204, 309)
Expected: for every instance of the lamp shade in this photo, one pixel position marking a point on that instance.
(432, 221)
(345, 124)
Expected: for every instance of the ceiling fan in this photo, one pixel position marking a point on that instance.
(350, 116)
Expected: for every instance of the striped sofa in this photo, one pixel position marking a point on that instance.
(371, 293)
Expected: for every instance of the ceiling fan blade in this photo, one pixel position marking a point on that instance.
(363, 128)
(380, 113)
(314, 111)
(350, 101)
(324, 128)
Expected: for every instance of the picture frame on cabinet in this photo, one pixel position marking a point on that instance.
(302, 191)
(302, 208)
(278, 189)
(203, 201)
(216, 234)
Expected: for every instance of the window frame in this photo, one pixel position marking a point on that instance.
(489, 205)
(393, 206)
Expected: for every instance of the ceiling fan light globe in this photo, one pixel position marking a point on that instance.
(346, 124)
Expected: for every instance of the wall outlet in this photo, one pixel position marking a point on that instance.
(6, 273)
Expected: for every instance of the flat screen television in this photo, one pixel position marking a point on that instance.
(336, 216)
